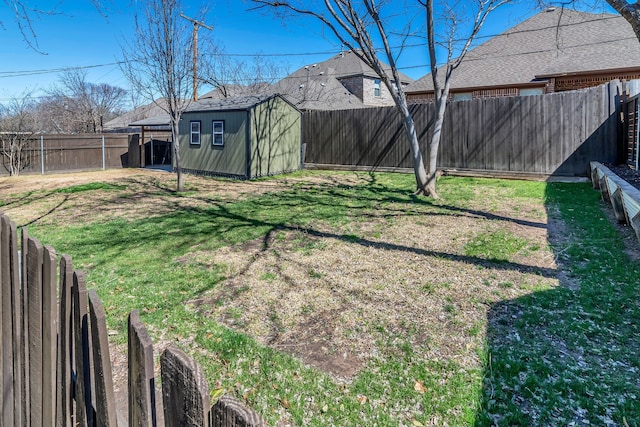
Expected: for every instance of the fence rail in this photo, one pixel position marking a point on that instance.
(61, 153)
(54, 353)
(554, 134)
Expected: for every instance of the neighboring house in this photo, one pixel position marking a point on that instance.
(342, 82)
(553, 51)
(235, 90)
(242, 137)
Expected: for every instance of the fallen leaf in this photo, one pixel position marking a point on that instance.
(417, 423)
(362, 399)
(419, 387)
(217, 394)
(285, 403)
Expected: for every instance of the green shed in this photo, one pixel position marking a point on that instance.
(244, 137)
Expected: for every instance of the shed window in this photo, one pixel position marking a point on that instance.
(376, 87)
(218, 133)
(195, 133)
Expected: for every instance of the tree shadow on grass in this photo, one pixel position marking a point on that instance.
(569, 355)
(208, 224)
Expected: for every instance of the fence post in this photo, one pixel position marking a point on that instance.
(65, 346)
(34, 338)
(24, 341)
(84, 409)
(231, 412)
(103, 154)
(142, 388)
(103, 379)
(185, 392)
(6, 347)
(49, 337)
(42, 154)
(11, 330)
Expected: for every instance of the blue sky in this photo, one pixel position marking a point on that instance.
(78, 35)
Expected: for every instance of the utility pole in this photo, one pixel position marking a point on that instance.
(196, 26)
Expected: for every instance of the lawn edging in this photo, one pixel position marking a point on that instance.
(624, 198)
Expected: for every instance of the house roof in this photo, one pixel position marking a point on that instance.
(551, 43)
(318, 87)
(130, 118)
(162, 120)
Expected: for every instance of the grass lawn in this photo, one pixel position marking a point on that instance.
(341, 299)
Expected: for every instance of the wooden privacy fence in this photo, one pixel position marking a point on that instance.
(62, 153)
(624, 198)
(54, 353)
(632, 132)
(550, 134)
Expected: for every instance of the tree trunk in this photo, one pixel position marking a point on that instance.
(630, 12)
(434, 145)
(414, 145)
(176, 154)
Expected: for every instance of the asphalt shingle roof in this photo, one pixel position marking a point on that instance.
(227, 104)
(553, 42)
(319, 87)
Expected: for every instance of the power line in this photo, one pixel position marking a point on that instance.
(25, 73)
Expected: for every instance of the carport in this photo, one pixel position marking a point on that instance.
(155, 151)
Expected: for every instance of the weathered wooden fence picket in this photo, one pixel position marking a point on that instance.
(624, 198)
(54, 353)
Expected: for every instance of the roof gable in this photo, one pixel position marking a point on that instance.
(318, 86)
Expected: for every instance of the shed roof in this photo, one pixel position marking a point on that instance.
(211, 104)
(551, 43)
(229, 104)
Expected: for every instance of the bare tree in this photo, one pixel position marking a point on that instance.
(357, 23)
(77, 105)
(159, 63)
(231, 77)
(17, 126)
(24, 13)
(450, 40)
(362, 26)
(630, 12)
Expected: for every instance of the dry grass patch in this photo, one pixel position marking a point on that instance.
(132, 194)
(341, 298)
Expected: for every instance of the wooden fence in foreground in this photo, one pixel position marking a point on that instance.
(54, 353)
(624, 198)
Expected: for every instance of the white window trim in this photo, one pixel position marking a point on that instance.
(192, 133)
(377, 88)
(213, 133)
